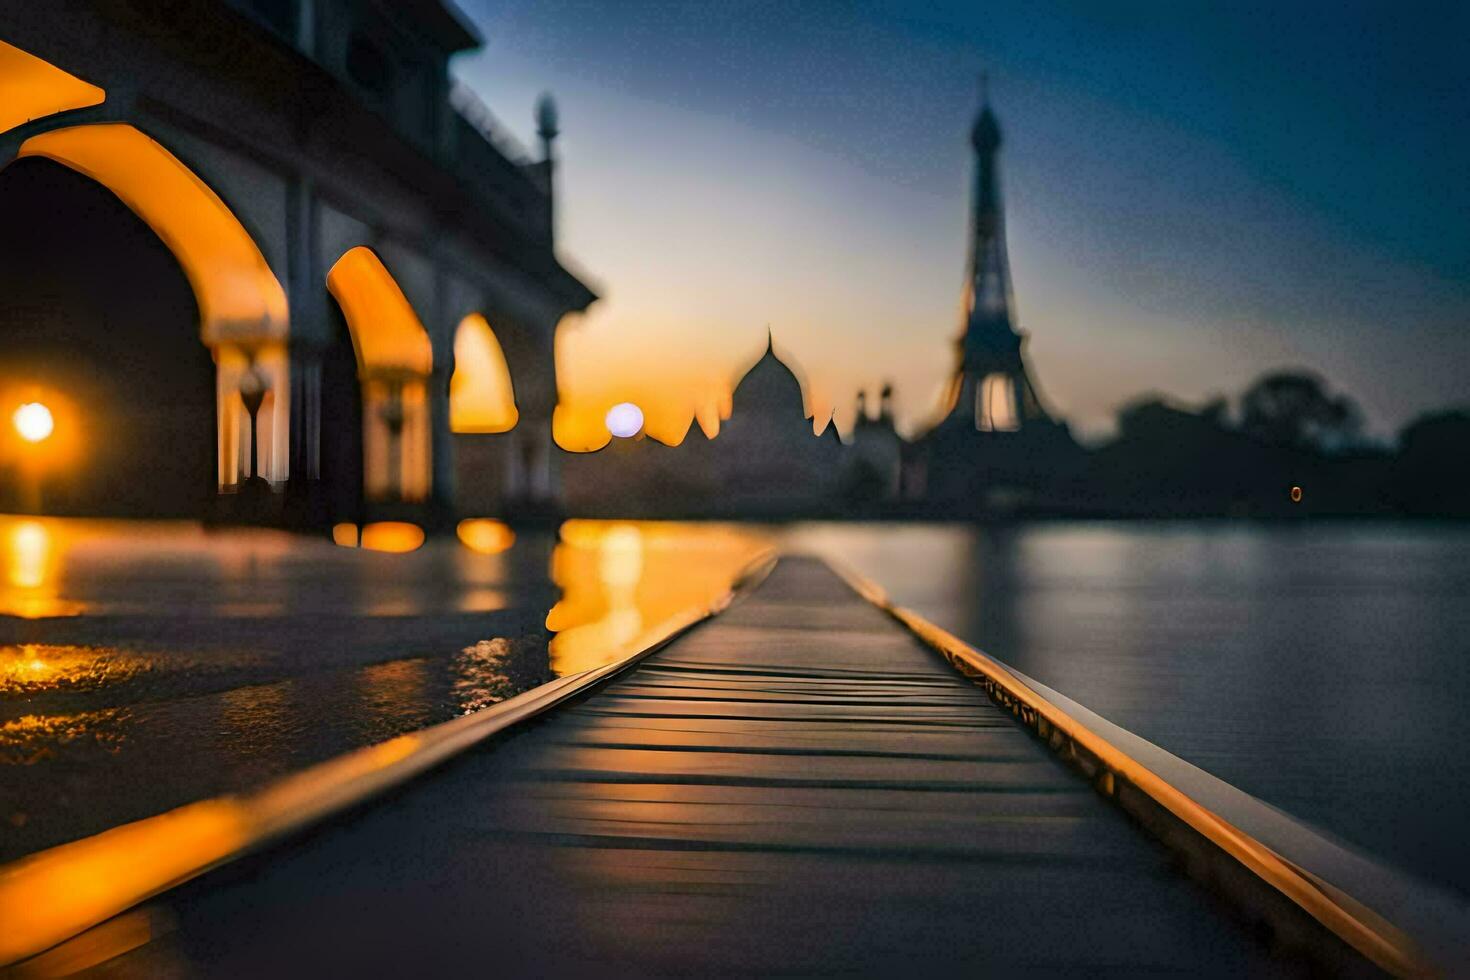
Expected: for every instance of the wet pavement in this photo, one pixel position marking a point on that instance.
(143, 666)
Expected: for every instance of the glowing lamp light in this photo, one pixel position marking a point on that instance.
(625, 420)
(33, 421)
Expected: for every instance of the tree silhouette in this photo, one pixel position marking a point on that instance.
(1433, 468)
(1294, 409)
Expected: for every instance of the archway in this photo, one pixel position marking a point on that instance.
(31, 88)
(240, 308)
(98, 322)
(394, 360)
(481, 393)
(489, 459)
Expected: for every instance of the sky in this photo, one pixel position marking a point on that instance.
(1194, 195)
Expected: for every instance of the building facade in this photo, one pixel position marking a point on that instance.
(263, 260)
(766, 462)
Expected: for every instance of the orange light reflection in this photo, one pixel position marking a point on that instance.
(619, 578)
(485, 536)
(30, 551)
(395, 537)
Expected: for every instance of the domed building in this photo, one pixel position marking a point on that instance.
(766, 461)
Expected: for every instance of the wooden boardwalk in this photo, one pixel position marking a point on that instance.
(796, 787)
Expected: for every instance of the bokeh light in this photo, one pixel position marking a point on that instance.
(625, 420)
(488, 537)
(394, 537)
(33, 421)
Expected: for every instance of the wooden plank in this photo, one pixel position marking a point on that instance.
(797, 787)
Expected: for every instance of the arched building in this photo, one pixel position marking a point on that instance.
(244, 247)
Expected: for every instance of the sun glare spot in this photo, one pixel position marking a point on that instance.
(625, 420)
(33, 421)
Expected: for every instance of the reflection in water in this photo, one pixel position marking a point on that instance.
(395, 537)
(30, 558)
(31, 668)
(493, 670)
(392, 698)
(213, 661)
(1319, 666)
(485, 536)
(29, 545)
(620, 578)
(30, 739)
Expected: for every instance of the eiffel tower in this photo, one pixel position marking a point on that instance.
(991, 389)
(996, 447)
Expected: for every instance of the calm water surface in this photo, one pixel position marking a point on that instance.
(1324, 668)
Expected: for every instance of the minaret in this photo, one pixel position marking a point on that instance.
(547, 131)
(991, 388)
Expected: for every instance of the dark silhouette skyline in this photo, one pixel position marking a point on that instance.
(1197, 195)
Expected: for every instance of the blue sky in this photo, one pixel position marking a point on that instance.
(1194, 194)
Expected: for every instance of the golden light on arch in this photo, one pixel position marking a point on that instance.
(394, 359)
(481, 393)
(386, 333)
(32, 87)
(243, 314)
(240, 299)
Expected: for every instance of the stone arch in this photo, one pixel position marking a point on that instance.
(481, 390)
(395, 359)
(33, 88)
(243, 312)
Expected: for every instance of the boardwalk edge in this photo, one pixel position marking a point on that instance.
(1272, 890)
(54, 896)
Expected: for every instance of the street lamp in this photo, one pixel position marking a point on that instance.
(252, 394)
(33, 422)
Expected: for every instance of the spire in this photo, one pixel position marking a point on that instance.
(991, 390)
(989, 270)
(546, 123)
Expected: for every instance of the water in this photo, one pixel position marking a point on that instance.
(1324, 668)
(143, 666)
(1321, 667)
